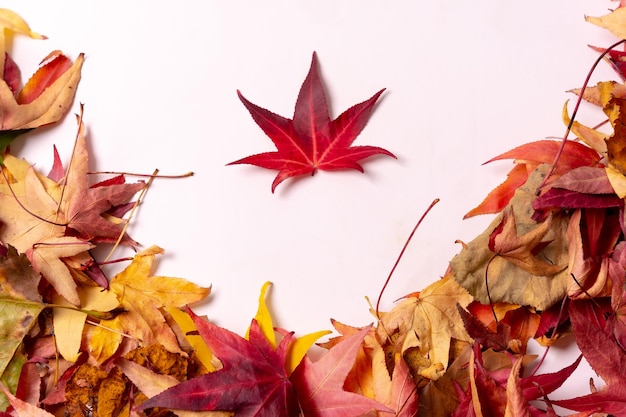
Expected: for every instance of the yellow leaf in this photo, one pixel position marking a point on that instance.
(16, 320)
(186, 324)
(263, 317)
(592, 137)
(69, 323)
(142, 295)
(615, 22)
(300, 347)
(617, 180)
(13, 22)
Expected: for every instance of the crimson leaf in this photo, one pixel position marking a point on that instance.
(310, 140)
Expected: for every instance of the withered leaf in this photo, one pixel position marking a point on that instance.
(17, 317)
(425, 324)
(505, 242)
(507, 281)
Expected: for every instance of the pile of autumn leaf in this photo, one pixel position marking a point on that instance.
(77, 343)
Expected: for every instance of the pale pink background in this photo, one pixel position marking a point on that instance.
(466, 81)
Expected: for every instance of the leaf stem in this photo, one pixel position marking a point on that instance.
(575, 111)
(130, 216)
(380, 295)
(133, 174)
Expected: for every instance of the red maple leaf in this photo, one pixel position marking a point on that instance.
(319, 385)
(253, 381)
(311, 140)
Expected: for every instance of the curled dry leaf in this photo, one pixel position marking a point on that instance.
(420, 327)
(506, 281)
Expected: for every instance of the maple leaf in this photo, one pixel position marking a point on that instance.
(85, 207)
(311, 141)
(383, 377)
(613, 21)
(424, 326)
(22, 408)
(504, 241)
(252, 382)
(152, 384)
(319, 385)
(142, 296)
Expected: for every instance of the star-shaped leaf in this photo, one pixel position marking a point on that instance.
(319, 385)
(311, 140)
(520, 249)
(253, 381)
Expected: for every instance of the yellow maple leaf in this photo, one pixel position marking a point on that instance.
(420, 327)
(143, 296)
(69, 323)
(615, 22)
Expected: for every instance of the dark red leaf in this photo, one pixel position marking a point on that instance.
(253, 381)
(611, 401)
(537, 386)
(561, 198)
(596, 343)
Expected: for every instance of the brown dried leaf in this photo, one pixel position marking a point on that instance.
(507, 281)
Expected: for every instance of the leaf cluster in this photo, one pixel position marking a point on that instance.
(552, 265)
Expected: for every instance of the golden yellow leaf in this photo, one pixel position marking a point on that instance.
(9, 20)
(263, 317)
(142, 296)
(615, 22)
(69, 323)
(298, 348)
(186, 324)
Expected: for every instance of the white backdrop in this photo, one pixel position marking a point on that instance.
(465, 81)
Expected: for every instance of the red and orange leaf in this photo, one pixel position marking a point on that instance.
(319, 385)
(527, 158)
(311, 140)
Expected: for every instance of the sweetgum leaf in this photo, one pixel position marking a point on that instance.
(252, 382)
(420, 327)
(319, 385)
(520, 249)
(85, 207)
(311, 140)
(143, 296)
